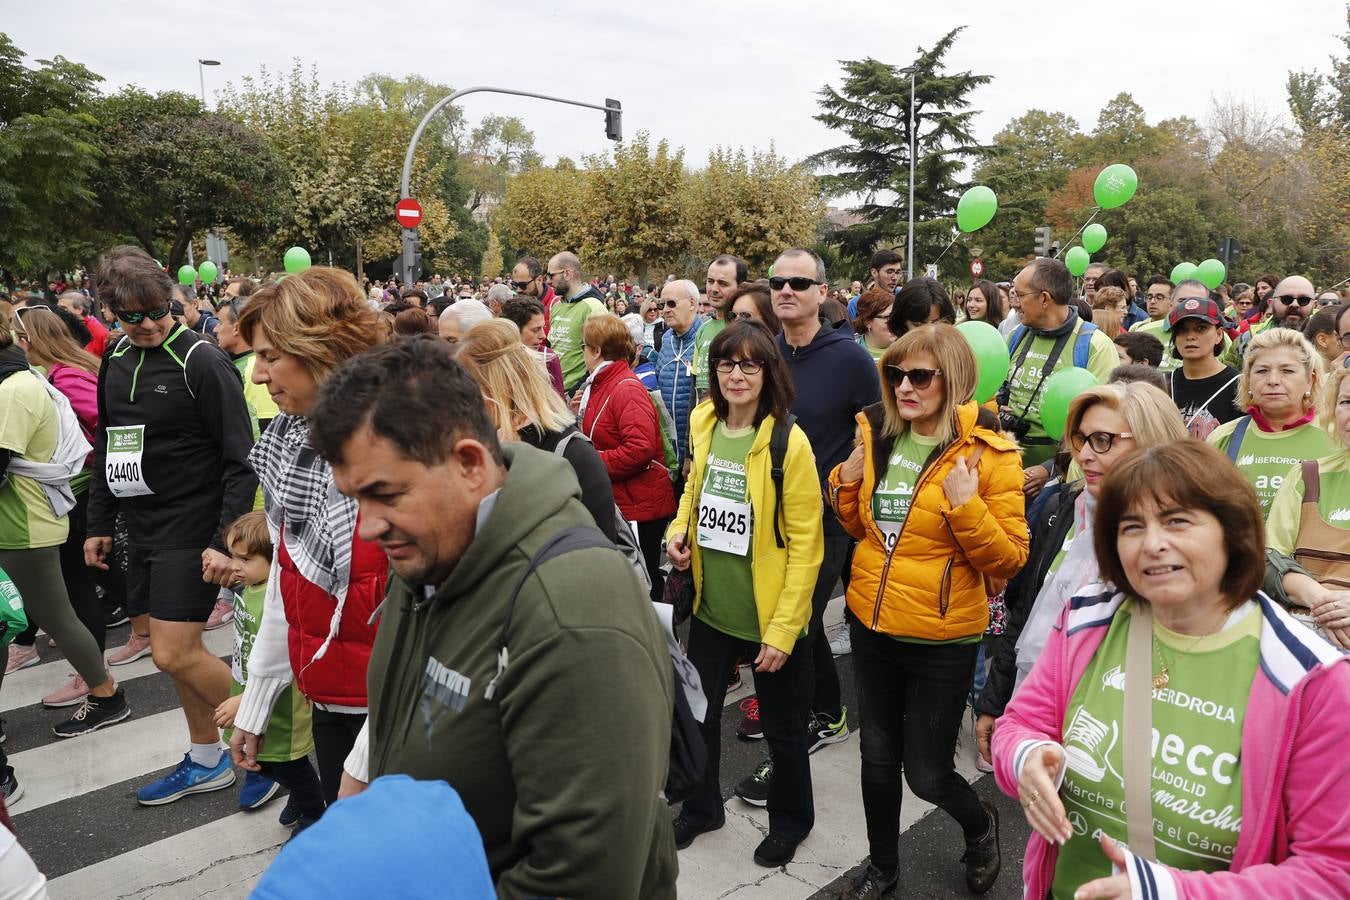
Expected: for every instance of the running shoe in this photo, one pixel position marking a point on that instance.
(819, 732)
(116, 616)
(735, 681)
(93, 714)
(187, 778)
(754, 789)
(290, 813)
(22, 658)
(222, 614)
(750, 728)
(257, 790)
(842, 645)
(137, 646)
(11, 789)
(686, 830)
(870, 884)
(68, 694)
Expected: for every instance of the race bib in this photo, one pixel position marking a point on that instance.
(723, 524)
(122, 468)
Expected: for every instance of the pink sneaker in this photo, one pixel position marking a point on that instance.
(70, 694)
(221, 615)
(137, 646)
(21, 658)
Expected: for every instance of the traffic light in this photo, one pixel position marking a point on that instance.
(1043, 241)
(613, 119)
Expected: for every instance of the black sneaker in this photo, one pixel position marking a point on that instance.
(734, 682)
(775, 851)
(11, 788)
(754, 789)
(290, 813)
(116, 616)
(982, 857)
(871, 884)
(686, 831)
(93, 714)
(820, 733)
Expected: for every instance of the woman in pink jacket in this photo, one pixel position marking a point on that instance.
(1229, 728)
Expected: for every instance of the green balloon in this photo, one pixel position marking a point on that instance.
(1183, 271)
(1211, 273)
(187, 275)
(1115, 185)
(296, 260)
(976, 208)
(1094, 237)
(1060, 390)
(1077, 260)
(208, 272)
(991, 357)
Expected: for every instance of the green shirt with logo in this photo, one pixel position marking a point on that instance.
(566, 320)
(1264, 459)
(29, 429)
(1286, 510)
(289, 730)
(702, 342)
(1025, 386)
(1196, 743)
(727, 597)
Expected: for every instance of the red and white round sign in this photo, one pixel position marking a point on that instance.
(976, 268)
(408, 212)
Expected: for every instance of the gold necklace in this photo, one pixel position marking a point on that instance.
(1160, 680)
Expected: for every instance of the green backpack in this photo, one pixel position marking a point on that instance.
(13, 620)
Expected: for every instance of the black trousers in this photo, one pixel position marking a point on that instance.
(782, 709)
(334, 736)
(298, 777)
(820, 672)
(649, 541)
(79, 580)
(912, 697)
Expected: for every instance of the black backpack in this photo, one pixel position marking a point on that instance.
(688, 755)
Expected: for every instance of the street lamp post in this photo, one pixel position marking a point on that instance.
(909, 255)
(612, 109)
(201, 74)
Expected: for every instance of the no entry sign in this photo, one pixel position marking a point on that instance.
(976, 268)
(408, 212)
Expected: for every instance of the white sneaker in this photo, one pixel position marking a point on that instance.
(842, 644)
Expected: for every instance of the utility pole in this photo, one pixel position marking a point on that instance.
(913, 143)
(201, 75)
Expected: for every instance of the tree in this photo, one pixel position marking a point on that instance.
(499, 147)
(46, 160)
(872, 109)
(544, 210)
(752, 206)
(634, 208)
(492, 263)
(1320, 101)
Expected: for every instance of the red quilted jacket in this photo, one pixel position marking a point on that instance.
(621, 422)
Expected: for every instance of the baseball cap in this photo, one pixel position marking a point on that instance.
(1194, 308)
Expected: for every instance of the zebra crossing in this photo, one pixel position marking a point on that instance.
(79, 820)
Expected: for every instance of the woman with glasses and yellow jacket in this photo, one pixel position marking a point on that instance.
(933, 493)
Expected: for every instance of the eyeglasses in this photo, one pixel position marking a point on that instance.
(670, 304)
(918, 378)
(135, 318)
(1291, 300)
(798, 283)
(557, 273)
(1101, 441)
(747, 366)
(746, 317)
(1345, 340)
(1162, 296)
(1015, 294)
(521, 285)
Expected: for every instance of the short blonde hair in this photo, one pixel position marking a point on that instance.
(319, 316)
(1329, 394)
(1150, 415)
(959, 374)
(1280, 339)
(514, 381)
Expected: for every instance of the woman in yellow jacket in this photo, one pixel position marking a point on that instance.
(933, 493)
(754, 568)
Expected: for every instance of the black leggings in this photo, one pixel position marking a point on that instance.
(298, 777)
(79, 580)
(649, 540)
(334, 736)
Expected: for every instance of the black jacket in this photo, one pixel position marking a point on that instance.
(597, 491)
(198, 434)
(1049, 522)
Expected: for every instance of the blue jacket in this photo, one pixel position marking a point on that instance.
(674, 375)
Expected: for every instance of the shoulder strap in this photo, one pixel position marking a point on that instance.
(1016, 339)
(1137, 752)
(1082, 347)
(1312, 482)
(578, 537)
(561, 447)
(1235, 439)
(778, 447)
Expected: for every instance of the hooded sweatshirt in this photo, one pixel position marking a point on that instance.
(563, 768)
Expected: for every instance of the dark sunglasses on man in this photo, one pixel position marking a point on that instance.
(519, 286)
(1294, 299)
(135, 318)
(798, 283)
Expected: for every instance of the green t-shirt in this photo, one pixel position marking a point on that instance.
(890, 500)
(566, 320)
(1286, 511)
(290, 729)
(875, 352)
(29, 430)
(1197, 749)
(727, 599)
(702, 341)
(1265, 459)
(259, 401)
(1024, 380)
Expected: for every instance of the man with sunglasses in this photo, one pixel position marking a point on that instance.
(577, 301)
(678, 302)
(726, 273)
(1288, 306)
(171, 455)
(529, 280)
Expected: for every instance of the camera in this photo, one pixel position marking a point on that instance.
(1014, 425)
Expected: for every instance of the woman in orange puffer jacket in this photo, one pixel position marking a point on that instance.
(933, 493)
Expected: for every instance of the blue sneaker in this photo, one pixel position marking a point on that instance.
(188, 778)
(257, 790)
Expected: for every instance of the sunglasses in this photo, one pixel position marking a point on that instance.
(136, 318)
(1101, 441)
(670, 304)
(918, 378)
(799, 283)
(742, 316)
(521, 285)
(747, 366)
(1291, 300)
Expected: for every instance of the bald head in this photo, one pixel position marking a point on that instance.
(564, 273)
(1292, 301)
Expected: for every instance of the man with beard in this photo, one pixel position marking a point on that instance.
(577, 302)
(1289, 305)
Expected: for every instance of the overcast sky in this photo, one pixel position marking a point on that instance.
(703, 73)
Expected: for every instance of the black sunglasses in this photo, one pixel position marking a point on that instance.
(918, 378)
(521, 285)
(135, 318)
(1291, 300)
(798, 283)
(1101, 441)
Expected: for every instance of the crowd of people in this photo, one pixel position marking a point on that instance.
(522, 535)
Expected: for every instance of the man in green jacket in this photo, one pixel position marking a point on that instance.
(559, 745)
